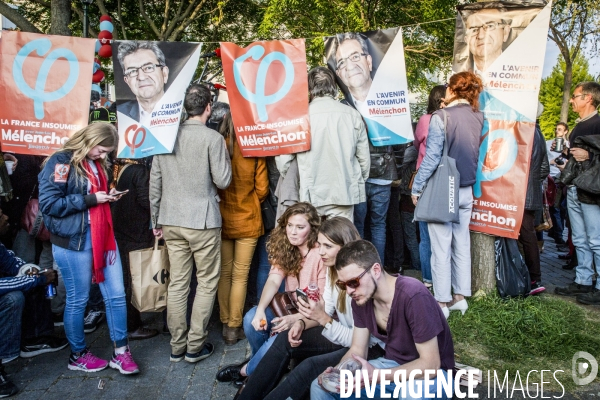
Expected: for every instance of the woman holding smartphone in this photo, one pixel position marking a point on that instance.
(317, 340)
(294, 256)
(74, 201)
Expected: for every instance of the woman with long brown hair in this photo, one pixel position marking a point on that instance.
(450, 242)
(75, 204)
(294, 256)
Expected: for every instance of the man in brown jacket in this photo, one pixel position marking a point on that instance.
(185, 210)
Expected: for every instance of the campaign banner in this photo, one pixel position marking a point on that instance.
(505, 44)
(150, 83)
(267, 85)
(370, 69)
(46, 85)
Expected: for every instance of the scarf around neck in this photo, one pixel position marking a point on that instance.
(103, 240)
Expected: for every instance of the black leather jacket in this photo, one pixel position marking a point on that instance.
(585, 175)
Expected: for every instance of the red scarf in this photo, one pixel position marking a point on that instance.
(103, 239)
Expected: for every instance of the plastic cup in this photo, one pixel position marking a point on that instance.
(9, 166)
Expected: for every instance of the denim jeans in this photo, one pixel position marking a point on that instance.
(11, 311)
(315, 353)
(394, 244)
(410, 238)
(318, 393)
(375, 209)
(585, 231)
(263, 264)
(76, 269)
(557, 225)
(425, 252)
(260, 341)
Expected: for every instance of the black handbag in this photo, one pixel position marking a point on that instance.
(268, 209)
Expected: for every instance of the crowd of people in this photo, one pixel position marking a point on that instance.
(345, 230)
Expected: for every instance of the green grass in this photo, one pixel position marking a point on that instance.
(539, 332)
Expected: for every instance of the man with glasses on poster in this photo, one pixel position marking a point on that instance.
(146, 73)
(486, 32)
(398, 310)
(353, 65)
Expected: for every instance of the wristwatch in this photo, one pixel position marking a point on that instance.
(329, 323)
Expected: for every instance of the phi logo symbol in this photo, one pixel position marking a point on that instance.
(161, 277)
(260, 98)
(38, 94)
(132, 133)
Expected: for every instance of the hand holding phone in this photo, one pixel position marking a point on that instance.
(301, 295)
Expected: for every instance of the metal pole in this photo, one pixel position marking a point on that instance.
(85, 19)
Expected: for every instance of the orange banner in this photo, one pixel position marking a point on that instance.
(46, 85)
(268, 91)
(499, 193)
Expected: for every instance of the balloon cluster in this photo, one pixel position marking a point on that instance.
(104, 50)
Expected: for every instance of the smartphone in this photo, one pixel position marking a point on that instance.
(115, 194)
(300, 294)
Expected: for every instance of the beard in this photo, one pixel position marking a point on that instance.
(368, 297)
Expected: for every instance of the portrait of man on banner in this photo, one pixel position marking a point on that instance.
(150, 82)
(483, 31)
(146, 73)
(370, 71)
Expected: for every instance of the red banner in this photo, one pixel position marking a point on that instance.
(46, 84)
(268, 91)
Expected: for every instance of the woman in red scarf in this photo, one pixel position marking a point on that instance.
(74, 200)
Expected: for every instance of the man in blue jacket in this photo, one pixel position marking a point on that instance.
(37, 321)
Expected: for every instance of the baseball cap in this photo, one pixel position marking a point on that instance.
(100, 115)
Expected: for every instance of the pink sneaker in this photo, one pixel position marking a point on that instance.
(124, 363)
(86, 362)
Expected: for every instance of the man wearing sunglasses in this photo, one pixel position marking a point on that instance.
(400, 312)
(146, 73)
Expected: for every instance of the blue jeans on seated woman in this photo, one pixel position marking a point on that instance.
(318, 393)
(76, 269)
(260, 341)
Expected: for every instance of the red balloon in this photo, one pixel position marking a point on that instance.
(105, 37)
(98, 76)
(105, 18)
(105, 51)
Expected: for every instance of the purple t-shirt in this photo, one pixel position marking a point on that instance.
(415, 317)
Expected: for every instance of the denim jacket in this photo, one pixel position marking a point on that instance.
(433, 155)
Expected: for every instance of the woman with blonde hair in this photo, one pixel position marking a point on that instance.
(294, 256)
(242, 226)
(74, 201)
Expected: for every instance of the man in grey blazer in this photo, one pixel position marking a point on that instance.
(185, 211)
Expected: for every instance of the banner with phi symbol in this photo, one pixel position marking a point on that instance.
(150, 82)
(268, 90)
(504, 43)
(45, 92)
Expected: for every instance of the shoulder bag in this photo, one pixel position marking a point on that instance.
(439, 201)
(284, 304)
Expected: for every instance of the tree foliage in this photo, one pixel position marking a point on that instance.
(574, 24)
(551, 93)
(428, 46)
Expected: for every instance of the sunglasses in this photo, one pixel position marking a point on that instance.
(352, 283)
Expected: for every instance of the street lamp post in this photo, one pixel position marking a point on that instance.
(85, 4)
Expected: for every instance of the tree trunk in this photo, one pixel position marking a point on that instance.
(60, 17)
(564, 110)
(483, 263)
(20, 21)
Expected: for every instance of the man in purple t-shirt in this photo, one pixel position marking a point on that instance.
(399, 311)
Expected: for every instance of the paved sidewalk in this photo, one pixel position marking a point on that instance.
(47, 377)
